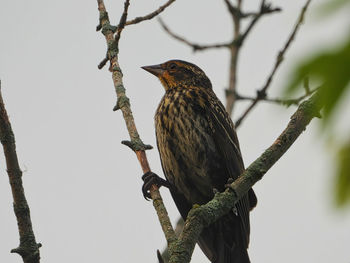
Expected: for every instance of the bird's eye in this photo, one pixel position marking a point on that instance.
(172, 66)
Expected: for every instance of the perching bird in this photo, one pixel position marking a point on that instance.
(199, 152)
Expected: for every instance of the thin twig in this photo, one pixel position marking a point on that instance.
(264, 9)
(123, 104)
(287, 102)
(122, 21)
(103, 62)
(195, 47)
(222, 203)
(28, 248)
(151, 15)
(262, 92)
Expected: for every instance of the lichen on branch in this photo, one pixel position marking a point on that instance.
(28, 249)
(112, 35)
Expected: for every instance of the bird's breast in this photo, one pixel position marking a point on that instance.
(185, 145)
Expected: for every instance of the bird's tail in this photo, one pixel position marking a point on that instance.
(224, 246)
(234, 255)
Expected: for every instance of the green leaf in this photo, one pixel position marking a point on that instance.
(332, 69)
(342, 184)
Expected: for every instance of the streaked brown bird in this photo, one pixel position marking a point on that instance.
(199, 152)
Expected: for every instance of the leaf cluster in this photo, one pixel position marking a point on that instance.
(332, 69)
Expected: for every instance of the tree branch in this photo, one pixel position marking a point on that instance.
(238, 41)
(165, 255)
(287, 102)
(151, 15)
(262, 92)
(28, 248)
(195, 47)
(202, 216)
(123, 104)
(234, 52)
(122, 21)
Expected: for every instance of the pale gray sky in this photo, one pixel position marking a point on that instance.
(84, 187)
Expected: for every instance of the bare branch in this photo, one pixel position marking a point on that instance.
(279, 59)
(123, 104)
(28, 248)
(234, 52)
(264, 9)
(195, 47)
(122, 21)
(202, 216)
(151, 15)
(238, 41)
(287, 102)
(237, 12)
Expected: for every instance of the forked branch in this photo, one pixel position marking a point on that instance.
(237, 42)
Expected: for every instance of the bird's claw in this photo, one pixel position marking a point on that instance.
(150, 179)
(229, 183)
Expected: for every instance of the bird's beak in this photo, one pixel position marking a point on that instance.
(155, 69)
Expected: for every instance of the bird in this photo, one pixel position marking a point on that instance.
(200, 153)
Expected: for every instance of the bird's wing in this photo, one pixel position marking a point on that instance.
(225, 138)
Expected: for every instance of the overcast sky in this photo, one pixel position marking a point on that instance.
(84, 187)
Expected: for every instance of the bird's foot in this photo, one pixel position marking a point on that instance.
(150, 179)
(229, 182)
(229, 186)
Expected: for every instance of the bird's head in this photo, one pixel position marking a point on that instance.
(178, 73)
